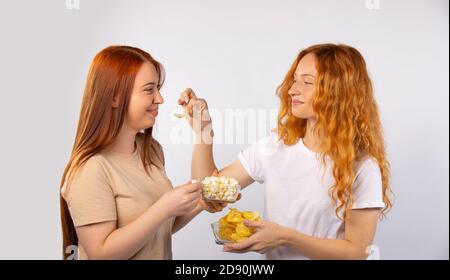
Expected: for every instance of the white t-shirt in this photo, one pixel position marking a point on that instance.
(297, 189)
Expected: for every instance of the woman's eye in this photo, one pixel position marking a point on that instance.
(308, 83)
(149, 90)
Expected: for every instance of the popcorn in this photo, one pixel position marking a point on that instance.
(220, 188)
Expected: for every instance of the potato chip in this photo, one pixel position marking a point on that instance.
(225, 233)
(232, 228)
(252, 216)
(243, 231)
(236, 238)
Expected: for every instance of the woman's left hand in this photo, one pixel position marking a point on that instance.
(213, 207)
(267, 236)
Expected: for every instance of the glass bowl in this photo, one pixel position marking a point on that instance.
(216, 193)
(215, 229)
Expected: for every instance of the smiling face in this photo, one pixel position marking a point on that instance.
(302, 90)
(145, 99)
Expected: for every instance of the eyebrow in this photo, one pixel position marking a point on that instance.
(149, 84)
(295, 75)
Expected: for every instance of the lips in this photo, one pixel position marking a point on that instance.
(297, 102)
(153, 112)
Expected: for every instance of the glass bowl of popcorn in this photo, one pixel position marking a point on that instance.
(220, 189)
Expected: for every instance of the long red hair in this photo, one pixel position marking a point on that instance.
(347, 118)
(111, 75)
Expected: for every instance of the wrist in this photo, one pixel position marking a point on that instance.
(286, 236)
(198, 209)
(206, 136)
(163, 210)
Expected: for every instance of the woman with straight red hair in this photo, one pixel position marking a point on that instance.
(325, 170)
(116, 200)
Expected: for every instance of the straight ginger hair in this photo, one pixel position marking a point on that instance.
(348, 120)
(112, 74)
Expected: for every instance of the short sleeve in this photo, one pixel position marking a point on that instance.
(368, 188)
(89, 197)
(252, 158)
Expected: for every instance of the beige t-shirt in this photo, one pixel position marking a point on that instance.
(112, 186)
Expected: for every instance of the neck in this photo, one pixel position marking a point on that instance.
(125, 141)
(311, 139)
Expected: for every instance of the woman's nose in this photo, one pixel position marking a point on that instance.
(158, 98)
(293, 91)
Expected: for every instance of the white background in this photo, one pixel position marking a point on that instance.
(234, 54)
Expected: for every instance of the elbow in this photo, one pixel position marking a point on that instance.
(104, 257)
(100, 255)
(356, 253)
(97, 256)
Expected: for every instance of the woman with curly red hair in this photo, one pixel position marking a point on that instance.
(325, 170)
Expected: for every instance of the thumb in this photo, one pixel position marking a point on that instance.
(239, 197)
(253, 224)
(190, 93)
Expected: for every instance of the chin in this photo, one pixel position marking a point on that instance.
(148, 124)
(299, 115)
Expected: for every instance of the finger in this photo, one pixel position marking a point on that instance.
(238, 198)
(222, 205)
(184, 98)
(246, 250)
(192, 187)
(214, 204)
(181, 100)
(198, 105)
(195, 201)
(189, 107)
(192, 205)
(190, 93)
(215, 173)
(238, 246)
(253, 224)
(211, 205)
(194, 196)
(218, 207)
(234, 251)
(187, 96)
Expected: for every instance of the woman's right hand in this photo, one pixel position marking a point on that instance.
(181, 200)
(197, 110)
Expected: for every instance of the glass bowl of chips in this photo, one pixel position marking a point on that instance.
(231, 228)
(220, 189)
(217, 237)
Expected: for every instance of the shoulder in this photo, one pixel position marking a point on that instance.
(96, 164)
(367, 170)
(269, 140)
(367, 164)
(92, 171)
(153, 147)
(264, 147)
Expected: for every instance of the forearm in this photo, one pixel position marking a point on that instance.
(319, 248)
(181, 221)
(202, 164)
(126, 241)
